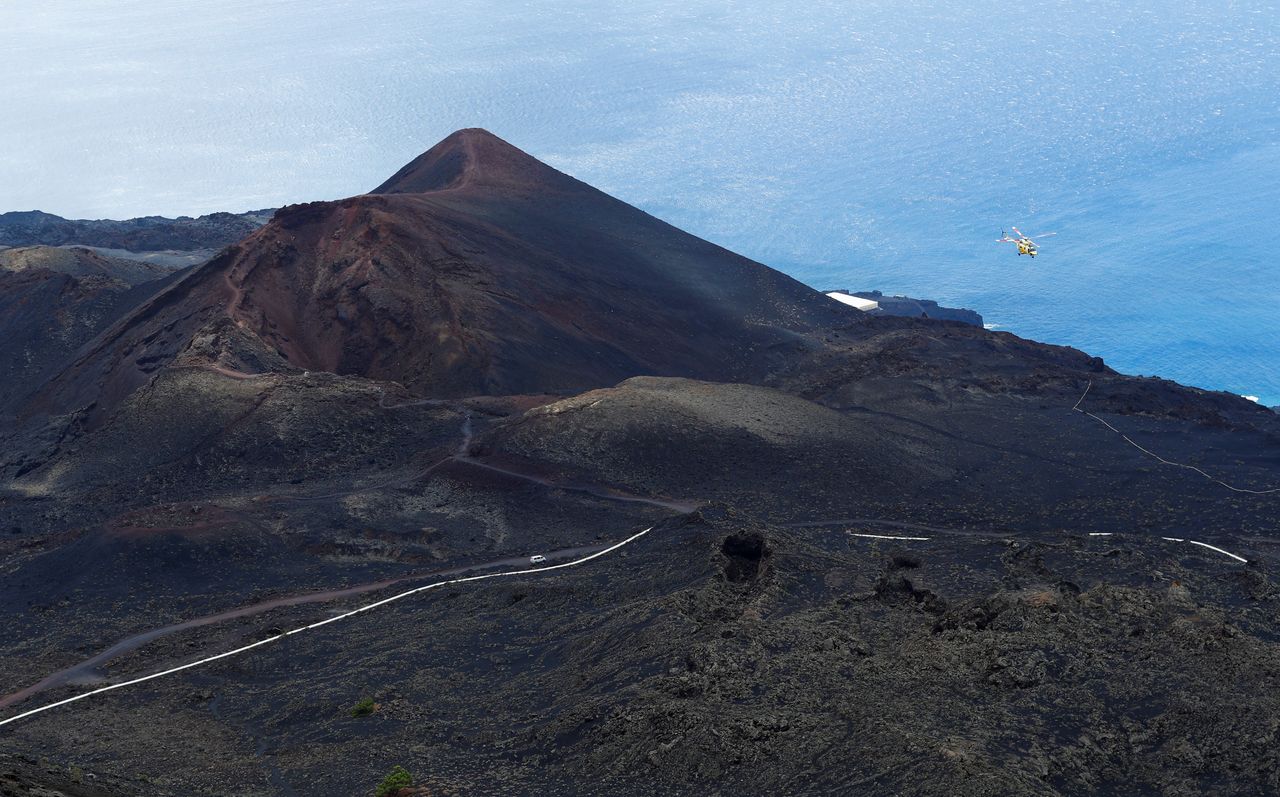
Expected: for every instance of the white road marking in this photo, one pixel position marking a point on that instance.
(1207, 545)
(1181, 539)
(1161, 459)
(334, 619)
(1091, 534)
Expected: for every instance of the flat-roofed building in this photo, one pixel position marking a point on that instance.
(865, 305)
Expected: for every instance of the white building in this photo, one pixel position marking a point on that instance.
(865, 305)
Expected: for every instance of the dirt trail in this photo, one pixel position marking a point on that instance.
(598, 491)
(233, 302)
(1233, 488)
(896, 524)
(462, 455)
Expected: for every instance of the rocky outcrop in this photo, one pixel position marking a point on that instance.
(147, 233)
(918, 308)
(78, 261)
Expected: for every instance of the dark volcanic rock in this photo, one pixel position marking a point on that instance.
(919, 308)
(22, 776)
(910, 448)
(51, 306)
(148, 233)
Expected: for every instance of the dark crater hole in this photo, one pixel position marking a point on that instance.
(746, 554)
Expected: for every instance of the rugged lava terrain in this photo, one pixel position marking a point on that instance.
(887, 555)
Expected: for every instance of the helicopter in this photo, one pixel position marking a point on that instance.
(1026, 246)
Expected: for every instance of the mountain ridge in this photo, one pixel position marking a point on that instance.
(141, 234)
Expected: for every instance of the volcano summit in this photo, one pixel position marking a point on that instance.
(902, 555)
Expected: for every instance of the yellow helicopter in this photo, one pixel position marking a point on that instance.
(1026, 246)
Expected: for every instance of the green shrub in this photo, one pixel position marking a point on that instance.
(396, 780)
(364, 708)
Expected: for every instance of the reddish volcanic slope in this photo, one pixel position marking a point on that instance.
(475, 269)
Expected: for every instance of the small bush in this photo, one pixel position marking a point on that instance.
(364, 708)
(398, 779)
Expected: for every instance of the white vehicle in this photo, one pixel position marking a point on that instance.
(537, 559)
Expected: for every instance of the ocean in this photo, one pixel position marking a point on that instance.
(853, 145)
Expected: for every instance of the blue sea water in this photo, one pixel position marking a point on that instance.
(861, 144)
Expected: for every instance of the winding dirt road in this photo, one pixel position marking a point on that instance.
(140, 639)
(89, 669)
